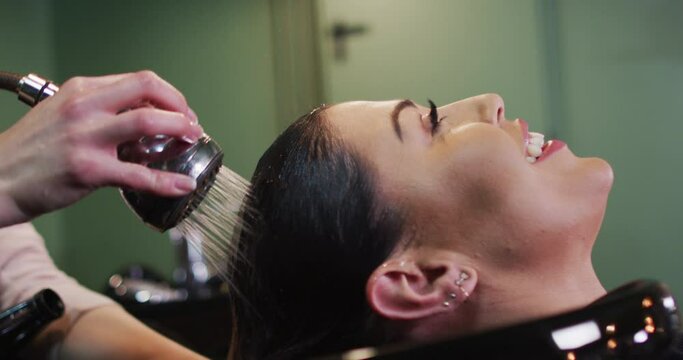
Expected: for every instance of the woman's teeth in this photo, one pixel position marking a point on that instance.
(534, 147)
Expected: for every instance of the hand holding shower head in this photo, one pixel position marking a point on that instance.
(201, 160)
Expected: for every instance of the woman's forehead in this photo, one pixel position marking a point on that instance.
(361, 111)
(361, 105)
(358, 117)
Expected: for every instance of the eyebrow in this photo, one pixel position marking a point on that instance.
(394, 115)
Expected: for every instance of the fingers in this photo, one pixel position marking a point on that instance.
(141, 178)
(140, 122)
(130, 90)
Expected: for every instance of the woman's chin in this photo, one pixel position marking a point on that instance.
(598, 183)
(600, 174)
(589, 176)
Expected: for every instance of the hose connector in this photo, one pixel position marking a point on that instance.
(33, 89)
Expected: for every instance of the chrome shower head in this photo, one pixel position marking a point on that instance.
(201, 161)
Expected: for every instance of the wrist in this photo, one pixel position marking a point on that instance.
(10, 212)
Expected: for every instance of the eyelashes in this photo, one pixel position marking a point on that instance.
(434, 117)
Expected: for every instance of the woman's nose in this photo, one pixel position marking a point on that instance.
(491, 108)
(488, 108)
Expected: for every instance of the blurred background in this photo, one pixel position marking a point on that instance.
(605, 76)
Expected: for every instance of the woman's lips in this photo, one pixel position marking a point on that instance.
(524, 126)
(549, 148)
(552, 147)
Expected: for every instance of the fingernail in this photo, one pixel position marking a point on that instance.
(188, 139)
(194, 120)
(185, 184)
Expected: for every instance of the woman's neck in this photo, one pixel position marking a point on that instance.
(508, 298)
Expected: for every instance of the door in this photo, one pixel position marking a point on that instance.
(439, 49)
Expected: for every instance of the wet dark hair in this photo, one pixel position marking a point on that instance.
(299, 287)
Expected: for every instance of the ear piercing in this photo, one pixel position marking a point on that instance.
(463, 276)
(450, 296)
(453, 296)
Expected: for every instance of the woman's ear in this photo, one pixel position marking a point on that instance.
(406, 289)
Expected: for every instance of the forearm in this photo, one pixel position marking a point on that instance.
(92, 327)
(109, 332)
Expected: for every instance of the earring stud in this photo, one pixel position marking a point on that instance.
(463, 276)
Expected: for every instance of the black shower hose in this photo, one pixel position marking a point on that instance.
(10, 81)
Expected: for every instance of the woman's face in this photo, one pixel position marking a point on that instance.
(468, 183)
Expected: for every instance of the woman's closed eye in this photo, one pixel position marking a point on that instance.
(434, 117)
